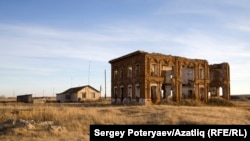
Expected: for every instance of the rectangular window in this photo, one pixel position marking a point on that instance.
(121, 93)
(129, 71)
(201, 72)
(137, 70)
(137, 90)
(153, 69)
(84, 95)
(129, 90)
(92, 95)
(115, 92)
(115, 74)
(164, 73)
(153, 92)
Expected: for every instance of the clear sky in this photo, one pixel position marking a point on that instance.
(48, 46)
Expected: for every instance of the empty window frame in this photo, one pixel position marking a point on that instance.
(129, 90)
(153, 91)
(137, 90)
(129, 71)
(153, 69)
(137, 70)
(115, 74)
(115, 91)
(201, 73)
(121, 93)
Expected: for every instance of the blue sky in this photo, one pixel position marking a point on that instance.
(47, 46)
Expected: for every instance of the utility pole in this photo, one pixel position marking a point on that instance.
(105, 83)
(101, 91)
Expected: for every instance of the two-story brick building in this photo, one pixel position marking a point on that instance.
(148, 78)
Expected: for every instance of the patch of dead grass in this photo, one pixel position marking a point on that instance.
(77, 118)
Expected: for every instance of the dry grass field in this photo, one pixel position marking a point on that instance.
(70, 121)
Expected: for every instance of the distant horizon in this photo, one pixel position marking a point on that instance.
(108, 96)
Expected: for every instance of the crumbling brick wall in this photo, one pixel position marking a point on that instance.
(147, 78)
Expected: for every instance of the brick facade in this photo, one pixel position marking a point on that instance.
(150, 78)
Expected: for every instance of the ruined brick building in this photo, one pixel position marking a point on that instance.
(149, 78)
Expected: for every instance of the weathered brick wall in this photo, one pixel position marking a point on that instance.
(220, 78)
(187, 78)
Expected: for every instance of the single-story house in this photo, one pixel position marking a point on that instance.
(79, 94)
(27, 98)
